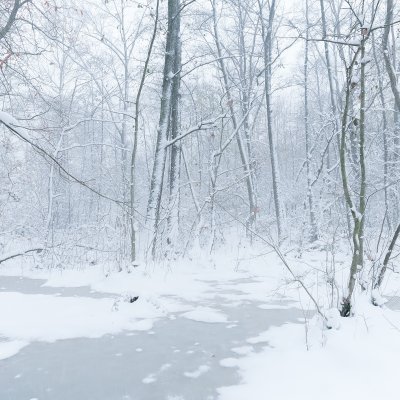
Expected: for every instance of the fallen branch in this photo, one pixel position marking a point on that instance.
(284, 261)
(37, 250)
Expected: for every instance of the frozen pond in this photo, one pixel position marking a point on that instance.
(178, 359)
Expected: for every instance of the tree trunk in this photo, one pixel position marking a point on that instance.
(267, 46)
(390, 69)
(156, 185)
(175, 149)
(384, 136)
(313, 226)
(135, 137)
(357, 214)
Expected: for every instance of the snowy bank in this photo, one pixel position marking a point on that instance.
(303, 362)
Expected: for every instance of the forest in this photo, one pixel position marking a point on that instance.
(199, 199)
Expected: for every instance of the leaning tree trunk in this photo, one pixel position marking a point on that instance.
(381, 274)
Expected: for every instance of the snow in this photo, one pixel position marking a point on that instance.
(229, 362)
(162, 294)
(206, 314)
(378, 299)
(333, 318)
(229, 308)
(358, 352)
(8, 119)
(242, 350)
(151, 378)
(274, 306)
(28, 317)
(357, 361)
(353, 42)
(192, 280)
(10, 348)
(198, 372)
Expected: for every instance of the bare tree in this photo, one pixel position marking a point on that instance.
(9, 11)
(267, 34)
(157, 179)
(313, 225)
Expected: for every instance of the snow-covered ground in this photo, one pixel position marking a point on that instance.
(232, 328)
(356, 361)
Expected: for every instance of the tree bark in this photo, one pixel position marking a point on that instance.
(267, 47)
(136, 134)
(175, 148)
(357, 210)
(156, 185)
(313, 226)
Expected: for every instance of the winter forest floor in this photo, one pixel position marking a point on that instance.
(234, 328)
